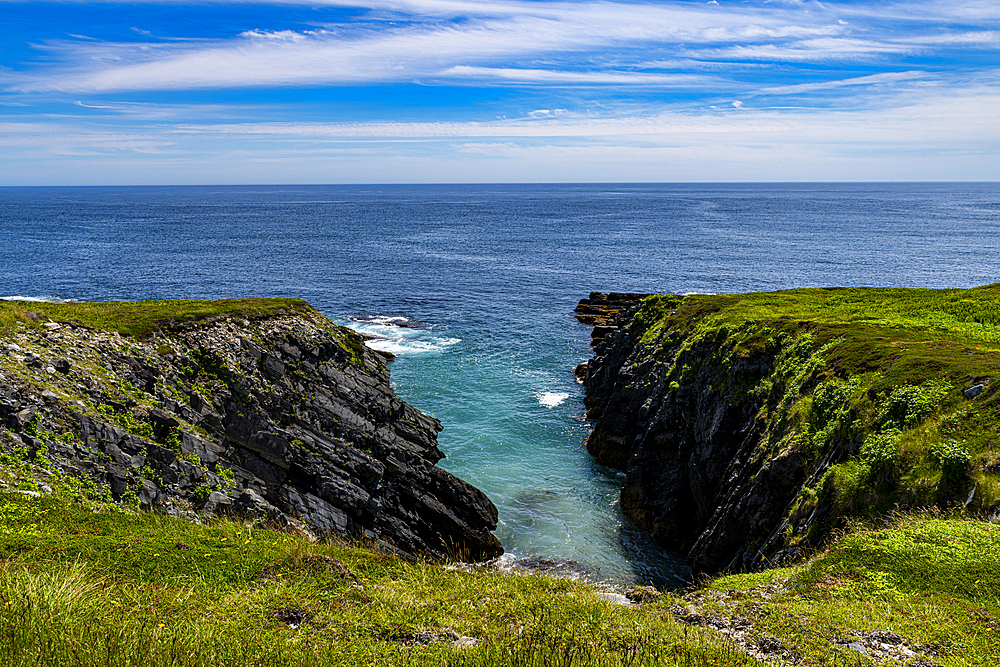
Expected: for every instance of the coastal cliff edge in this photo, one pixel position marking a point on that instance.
(256, 407)
(751, 426)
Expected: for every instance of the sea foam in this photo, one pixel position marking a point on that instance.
(36, 299)
(400, 335)
(551, 399)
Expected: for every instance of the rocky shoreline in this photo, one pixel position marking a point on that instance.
(287, 418)
(748, 439)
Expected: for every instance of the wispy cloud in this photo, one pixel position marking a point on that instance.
(489, 81)
(540, 76)
(485, 36)
(464, 39)
(873, 79)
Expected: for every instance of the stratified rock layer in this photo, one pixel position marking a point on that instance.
(683, 449)
(749, 427)
(287, 417)
(695, 476)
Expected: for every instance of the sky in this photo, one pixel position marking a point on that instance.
(461, 91)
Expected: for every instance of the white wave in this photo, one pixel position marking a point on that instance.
(36, 299)
(400, 335)
(384, 320)
(551, 399)
(403, 346)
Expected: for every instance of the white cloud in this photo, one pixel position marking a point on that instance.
(274, 35)
(967, 114)
(873, 79)
(509, 74)
(812, 51)
(941, 136)
(938, 137)
(484, 39)
(973, 37)
(499, 41)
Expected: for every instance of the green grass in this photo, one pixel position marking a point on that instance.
(140, 318)
(80, 587)
(960, 315)
(86, 587)
(933, 580)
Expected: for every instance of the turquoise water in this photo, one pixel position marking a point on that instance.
(512, 412)
(487, 276)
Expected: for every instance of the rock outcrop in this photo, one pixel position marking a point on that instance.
(747, 441)
(682, 450)
(286, 417)
(605, 311)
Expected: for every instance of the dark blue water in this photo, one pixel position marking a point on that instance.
(490, 273)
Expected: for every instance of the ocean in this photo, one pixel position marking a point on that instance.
(472, 287)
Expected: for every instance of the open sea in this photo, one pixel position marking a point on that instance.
(485, 277)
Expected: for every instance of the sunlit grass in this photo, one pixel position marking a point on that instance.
(87, 588)
(79, 587)
(138, 318)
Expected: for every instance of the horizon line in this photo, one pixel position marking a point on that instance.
(497, 183)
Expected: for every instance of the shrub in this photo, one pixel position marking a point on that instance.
(909, 404)
(227, 475)
(829, 398)
(880, 449)
(954, 459)
(172, 441)
(202, 493)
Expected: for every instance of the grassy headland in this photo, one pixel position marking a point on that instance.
(895, 386)
(139, 318)
(84, 581)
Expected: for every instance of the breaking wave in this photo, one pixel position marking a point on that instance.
(400, 335)
(37, 299)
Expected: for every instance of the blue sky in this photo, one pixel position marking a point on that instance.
(411, 91)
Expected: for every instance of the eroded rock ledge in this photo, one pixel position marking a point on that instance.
(286, 417)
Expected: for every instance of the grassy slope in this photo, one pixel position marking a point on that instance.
(139, 318)
(885, 368)
(85, 587)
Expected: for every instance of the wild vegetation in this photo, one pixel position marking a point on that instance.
(139, 318)
(83, 584)
(887, 394)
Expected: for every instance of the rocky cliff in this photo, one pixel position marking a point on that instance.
(259, 408)
(751, 426)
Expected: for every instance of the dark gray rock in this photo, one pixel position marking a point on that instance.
(148, 493)
(218, 502)
(288, 418)
(974, 390)
(694, 476)
(163, 419)
(24, 417)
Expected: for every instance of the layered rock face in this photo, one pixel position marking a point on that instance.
(286, 417)
(695, 475)
(750, 426)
